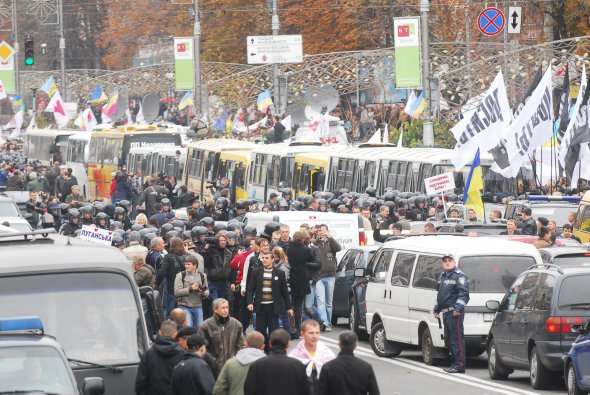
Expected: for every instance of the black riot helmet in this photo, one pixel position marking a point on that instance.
(221, 204)
(177, 223)
(323, 204)
(371, 191)
(147, 239)
(119, 213)
(65, 208)
(296, 206)
(98, 207)
(208, 222)
(117, 241)
(126, 204)
(116, 225)
(198, 231)
(167, 227)
(250, 230)
(74, 214)
(219, 226)
(136, 227)
(233, 225)
(334, 204)
(241, 204)
(87, 211)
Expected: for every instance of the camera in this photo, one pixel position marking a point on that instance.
(212, 241)
(203, 287)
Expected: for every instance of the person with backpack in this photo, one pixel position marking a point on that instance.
(172, 264)
(190, 288)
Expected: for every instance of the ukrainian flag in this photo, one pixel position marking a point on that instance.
(49, 86)
(97, 96)
(471, 194)
(264, 101)
(187, 100)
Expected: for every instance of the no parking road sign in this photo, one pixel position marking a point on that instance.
(491, 21)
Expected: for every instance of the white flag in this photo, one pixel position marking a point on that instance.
(386, 134)
(2, 91)
(375, 138)
(482, 128)
(399, 142)
(411, 99)
(287, 123)
(18, 120)
(139, 118)
(56, 106)
(530, 129)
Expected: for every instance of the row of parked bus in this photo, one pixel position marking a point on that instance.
(257, 170)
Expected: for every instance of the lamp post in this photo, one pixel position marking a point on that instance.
(428, 129)
(197, 59)
(275, 24)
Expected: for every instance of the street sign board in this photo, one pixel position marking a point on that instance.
(514, 20)
(491, 21)
(6, 51)
(275, 49)
(438, 184)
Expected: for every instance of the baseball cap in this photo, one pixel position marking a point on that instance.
(447, 256)
(194, 342)
(273, 195)
(187, 331)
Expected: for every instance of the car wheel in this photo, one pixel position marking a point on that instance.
(540, 377)
(379, 343)
(353, 321)
(428, 350)
(572, 382)
(496, 368)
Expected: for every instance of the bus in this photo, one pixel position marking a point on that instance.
(357, 168)
(234, 166)
(140, 158)
(203, 160)
(309, 173)
(109, 150)
(87, 299)
(166, 160)
(77, 159)
(271, 167)
(47, 145)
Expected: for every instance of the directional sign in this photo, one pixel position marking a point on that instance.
(514, 20)
(491, 21)
(275, 49)
(6, 51)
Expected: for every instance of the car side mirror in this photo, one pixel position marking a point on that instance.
(493, 305)
(93, 386)
(359, 272)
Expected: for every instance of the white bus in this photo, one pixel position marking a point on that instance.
(165, 160)
(77, 159)
(271, 167)
(47, 145)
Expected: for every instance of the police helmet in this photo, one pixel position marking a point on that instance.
(136, 227)
(177, 223)
(143, 232)
(231, 235)
(54, 209)
(421, 199)
(208, 222)
(219, 226)
(126, 204)
(167, 227)
(147, 239)
(98, 207)
(371, 191)
(233, 225)
(391, 206)
(221, 203)
(116, 225)
(117, 241)
(316, 194)
(269, 229)
(412, 202)
(165, 202)
(341, 191)
(286, 192)
(389, 197)
(334, 204)
(109, 210)
(171, 234)
(73, 213)
(403, 202)
(65, 208)
(296, 206)
(241, 204)
(323, 204)
(250, 230)
(87, 211)
(283, 203)
(119, 211)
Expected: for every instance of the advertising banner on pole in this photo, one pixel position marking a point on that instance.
(7, 75)
(406, 32)
(183, 64)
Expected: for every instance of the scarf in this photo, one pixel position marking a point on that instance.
(321, 356)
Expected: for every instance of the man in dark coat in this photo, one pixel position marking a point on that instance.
(155, 368)
(193, 375)
(150, 196)
(347, 374)
(268, 289)
(277, 373)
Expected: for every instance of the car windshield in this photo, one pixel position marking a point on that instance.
(8, 209)
(574, 292)
(34, 369)
(491, 274)
(94, 316)
(572, 260)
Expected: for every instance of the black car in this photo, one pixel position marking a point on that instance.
(532, 327)
(566, 256)
(343, 299)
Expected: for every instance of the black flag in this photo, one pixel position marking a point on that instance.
(564, 106)
(580, 134)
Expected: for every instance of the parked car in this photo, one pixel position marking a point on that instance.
(532, 327)
(576, 367)
(566, 256)
(402, 283)
(345, 302)
(490, 229)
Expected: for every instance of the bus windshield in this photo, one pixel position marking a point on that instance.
(94, 316)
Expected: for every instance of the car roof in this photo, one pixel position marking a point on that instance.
(368, 248)
(462, 245)
(26, 339)
(565, 250)
(543, 203)
(56, 252)
(560, 270)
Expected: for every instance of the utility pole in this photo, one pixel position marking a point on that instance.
(197, 59)
(16, 50)
(275, 24)
(62, 50)
(428, 130)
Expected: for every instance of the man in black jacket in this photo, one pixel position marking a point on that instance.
(268, 289)
(217, 260)
(155, 368)
(193, 375)
(529, 226)
(347, 375)
(277, 373)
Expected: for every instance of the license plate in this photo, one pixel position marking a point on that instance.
(488, 317)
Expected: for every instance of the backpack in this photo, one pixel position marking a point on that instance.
(183, 275)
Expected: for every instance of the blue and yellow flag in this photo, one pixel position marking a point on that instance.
(97, 95)
(49, 86)
(471, 194)
(187, 100)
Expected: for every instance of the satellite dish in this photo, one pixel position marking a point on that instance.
(321, 99)
(151, 107)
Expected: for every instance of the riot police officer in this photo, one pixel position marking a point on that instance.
(452, 297)
(70, 227)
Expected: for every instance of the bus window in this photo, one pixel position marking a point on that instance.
(401, 176)
(209, 164)
(286, 171)
(304, 179)
(368, 175)
(275, 172)
(238, 180)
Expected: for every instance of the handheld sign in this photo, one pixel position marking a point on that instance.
(438, 184)
(97, 235)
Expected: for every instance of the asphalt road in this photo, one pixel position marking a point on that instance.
(407, 374)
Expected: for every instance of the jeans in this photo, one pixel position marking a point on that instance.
(284, 321)
(310, 310)
(218, 290)
(169, 301)
(194, 315)
(324, 291)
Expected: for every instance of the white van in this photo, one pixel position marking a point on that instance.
(347, 229)
(401, 291)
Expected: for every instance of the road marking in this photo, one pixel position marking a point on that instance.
(420, 367)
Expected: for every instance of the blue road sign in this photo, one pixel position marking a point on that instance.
(491, 21)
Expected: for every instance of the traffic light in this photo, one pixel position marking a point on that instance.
(29, 52)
